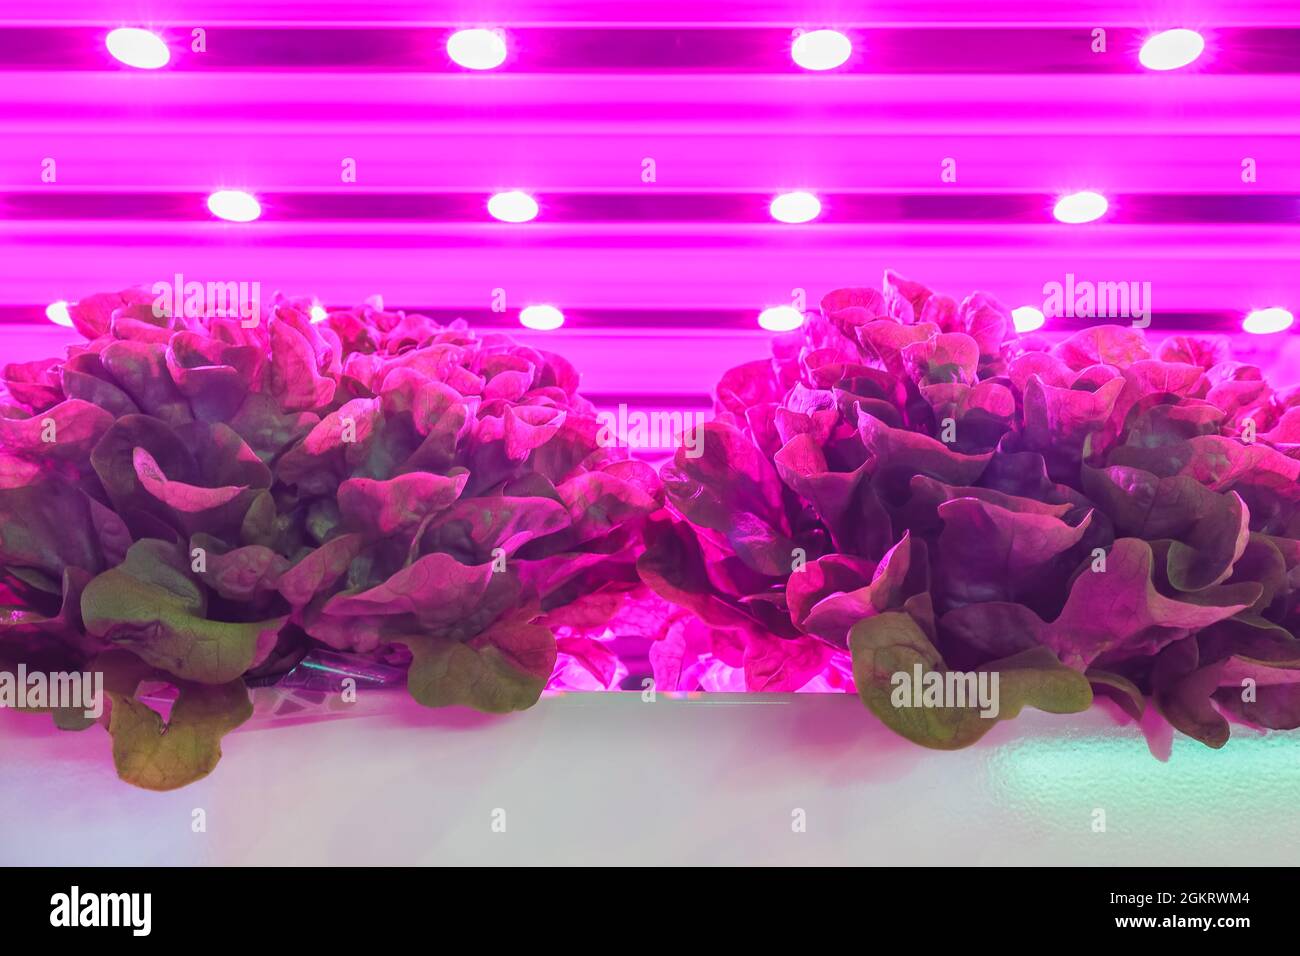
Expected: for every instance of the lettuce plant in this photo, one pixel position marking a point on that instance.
(201, 501)
(908, 486)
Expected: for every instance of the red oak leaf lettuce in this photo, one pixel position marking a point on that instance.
(910, 484)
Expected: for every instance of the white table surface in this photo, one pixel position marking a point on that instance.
(608, 778)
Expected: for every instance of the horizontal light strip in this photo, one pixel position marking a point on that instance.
(652, 206)
(744, 49)
(444, 158)
(668, 266)
(771, 12)
(675, 320)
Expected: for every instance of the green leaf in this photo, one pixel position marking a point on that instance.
(1210, 530)
(892, 644)
(1182, 693)
(163, 756)
(71, 718)
(499, 671)
(1120, 689)
(149, 606)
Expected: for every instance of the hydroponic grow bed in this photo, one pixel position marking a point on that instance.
(912, 500)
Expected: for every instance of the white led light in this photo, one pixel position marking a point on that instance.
(1171, 50)
(1080, 207)
(821, 49)
(780, 318)
(1028, 319)
(138, 48)
(477, 49)
(541, 318)
(318, 313)
(57, 312)
(513, 207)
(1267, 321)
(795, 207)
(234, 206)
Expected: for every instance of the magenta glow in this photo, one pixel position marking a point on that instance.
(780, 318)
(57, 312)
(1081, 207)
(1028, 319)
(1267, 321)
(234, 206)
(821, 49)
(1171, 50)
(138, 48)
(795, 207)
(514, 206)
(541, 318)
(477, 49)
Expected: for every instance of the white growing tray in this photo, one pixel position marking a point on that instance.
(705, 779)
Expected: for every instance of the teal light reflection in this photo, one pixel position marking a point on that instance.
(1241, 800)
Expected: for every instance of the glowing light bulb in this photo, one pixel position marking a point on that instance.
(541, 318)
(1080, 207)
(1028, 319)
(57, 312)
(234, 206)
(138, 48)
(821, 49)
(1171, 50)
(1267, 321)
(477, 49)
(780, 318)
(513, 207)
(795, 207)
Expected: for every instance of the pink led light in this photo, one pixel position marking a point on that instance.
(1080, 207)
(1028, 319)
(477, 49)
(138, 48)
(541, 318)
(1171, 50)
(1267, 321)
(318, 313)
(57, 312)
(821, 49)
(795, 207)
(513, 207)
(234, 206)
(780, 318)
